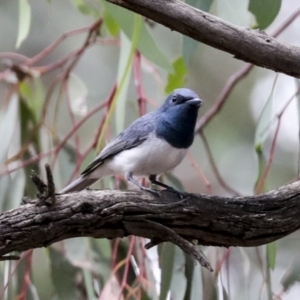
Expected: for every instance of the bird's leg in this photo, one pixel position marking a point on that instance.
(130, 178)
(153, 180)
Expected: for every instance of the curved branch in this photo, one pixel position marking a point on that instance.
(252, 46)
(212, 220)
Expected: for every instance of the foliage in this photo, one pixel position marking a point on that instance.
(59, 105)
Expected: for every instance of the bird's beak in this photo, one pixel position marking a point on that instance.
(195, 102)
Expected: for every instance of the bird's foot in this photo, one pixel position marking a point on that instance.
(179, 194)
(151, 191)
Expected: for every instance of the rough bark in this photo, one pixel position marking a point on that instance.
(212, 220)
(249, 45)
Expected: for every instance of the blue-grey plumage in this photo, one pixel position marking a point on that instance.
(153, 144)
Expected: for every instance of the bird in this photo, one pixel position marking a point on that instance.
(153, 144)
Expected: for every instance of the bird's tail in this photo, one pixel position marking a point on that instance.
(78, 185)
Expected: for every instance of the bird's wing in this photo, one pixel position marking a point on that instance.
(131, 137)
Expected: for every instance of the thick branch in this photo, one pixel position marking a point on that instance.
(212, 220)
(249, 45)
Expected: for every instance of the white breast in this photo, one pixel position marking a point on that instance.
(154, 156)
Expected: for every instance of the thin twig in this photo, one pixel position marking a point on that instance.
(223, 96)
(62, 143)
(260, 183)
(185, 245)
(200, 173)
(215, 168)
(236, 77)
(167, 234)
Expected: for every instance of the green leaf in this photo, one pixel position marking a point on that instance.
(177, 78)
(166, 264)
(88, 283)
(8, 122)
(197, 286)
(151, 280)
(41, 272)
(262, 131)
(28, 129)
(112, 26)
(34, 95)
(148, 47)
(85, 8)
(264, 121)
(24, 21)
(76, 250)
(179, 281)
(265, 11)
(14, 195)
(102, 258)
(63, 275)
(292, 274)
(123, 76)
(146, 43)
(271, 254)
(189, 45)
(5, 184)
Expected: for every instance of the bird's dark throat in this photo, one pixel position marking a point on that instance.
(180, 134)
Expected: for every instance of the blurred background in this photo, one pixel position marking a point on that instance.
(60, 106)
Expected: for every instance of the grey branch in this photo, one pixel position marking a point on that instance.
(212, 220)
(252, 46)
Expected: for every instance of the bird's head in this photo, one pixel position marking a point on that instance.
(177, 117)
(181, 100)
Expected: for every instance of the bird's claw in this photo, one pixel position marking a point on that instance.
(178, 193)
(152, 191)
(169, 189)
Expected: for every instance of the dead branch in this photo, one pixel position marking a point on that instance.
(252, 46)
(211, 220)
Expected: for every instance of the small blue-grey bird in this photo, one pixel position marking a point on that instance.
(153, 144)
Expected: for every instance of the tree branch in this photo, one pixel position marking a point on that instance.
(212, 220)
(252, 46)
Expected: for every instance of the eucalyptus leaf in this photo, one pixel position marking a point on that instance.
(24, 21)
(76, 250)
(5, 183)
(179, 281)
(197, 285)
(8, 122)
(292, 274)
(101, 258)
(41, 272)
(28, 129)
(14, 195)
(85, 8)
(265, 11)
(190, 45)
(34, 95)
(88, 283)
(176, 79)
(167, 264)
(112, 26)
(146, 43)
(271, 254)
(63, 276)
(264, 121)
(125, 75)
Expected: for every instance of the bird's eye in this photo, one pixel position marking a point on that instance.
(174, 98)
